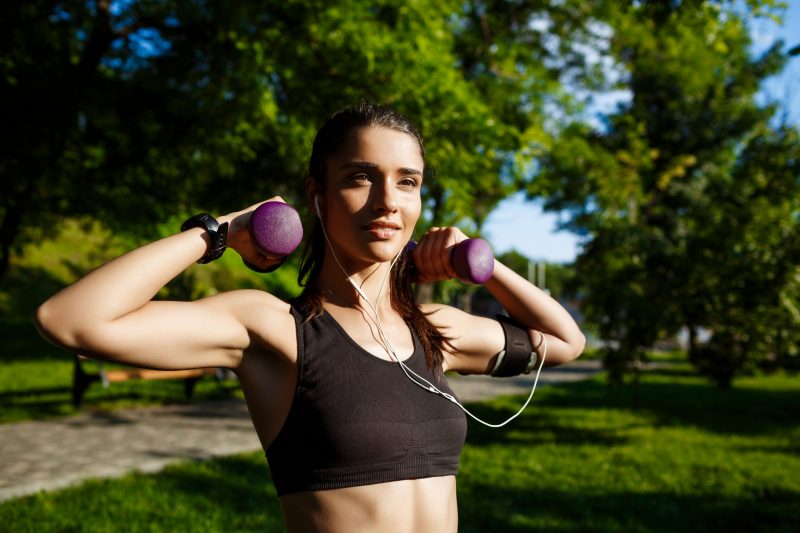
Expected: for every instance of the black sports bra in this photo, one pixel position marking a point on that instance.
(358, 420)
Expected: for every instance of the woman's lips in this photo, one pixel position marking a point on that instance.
(382, 230)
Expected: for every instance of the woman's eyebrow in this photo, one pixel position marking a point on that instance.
(405, 171)
(369, 165)
(359, 164)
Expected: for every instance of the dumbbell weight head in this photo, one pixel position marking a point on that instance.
(472, 259)
(276, 230)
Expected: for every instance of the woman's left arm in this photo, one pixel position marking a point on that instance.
(477, 340)
(533, 309)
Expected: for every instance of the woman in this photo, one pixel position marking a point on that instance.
(353, 443)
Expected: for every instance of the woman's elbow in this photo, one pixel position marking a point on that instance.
(577, 345)
(53, 327)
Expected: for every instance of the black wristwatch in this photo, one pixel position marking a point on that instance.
(217, 233)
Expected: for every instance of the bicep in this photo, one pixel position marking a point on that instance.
(167, 335)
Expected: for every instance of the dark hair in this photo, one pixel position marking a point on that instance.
(330, 138)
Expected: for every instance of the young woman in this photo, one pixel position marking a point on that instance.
(353, 442)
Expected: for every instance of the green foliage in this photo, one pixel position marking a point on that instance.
(689, 196)
(135, 112)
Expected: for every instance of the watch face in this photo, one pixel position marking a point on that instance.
(202, 220)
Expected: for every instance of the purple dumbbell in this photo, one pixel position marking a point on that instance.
(276, 230)
(472, 259)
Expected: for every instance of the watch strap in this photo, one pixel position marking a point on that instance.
(217, 233)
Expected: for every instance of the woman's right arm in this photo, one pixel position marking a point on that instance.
(109, 313)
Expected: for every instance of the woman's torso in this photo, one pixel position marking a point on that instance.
(363, 406)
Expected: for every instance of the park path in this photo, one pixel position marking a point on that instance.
(52, 454)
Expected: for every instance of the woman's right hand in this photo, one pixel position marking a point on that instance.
(239, 238)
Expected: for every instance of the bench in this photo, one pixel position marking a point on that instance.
(81, 379)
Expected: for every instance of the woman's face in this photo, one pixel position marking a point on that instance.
(372, 198)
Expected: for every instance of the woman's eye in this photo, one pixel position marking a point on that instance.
(359, 178)
(409, 182)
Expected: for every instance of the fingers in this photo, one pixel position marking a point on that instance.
(264, 264)
(239, 219)
(433, 254)
(256, 205)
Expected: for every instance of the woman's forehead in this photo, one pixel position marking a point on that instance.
(383, 146)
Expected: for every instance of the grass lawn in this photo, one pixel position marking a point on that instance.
(689, 458)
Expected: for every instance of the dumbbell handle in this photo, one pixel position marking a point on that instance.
(472, 259)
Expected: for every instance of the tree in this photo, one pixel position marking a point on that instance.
(121, 111)
(688, 198)
(129, 112)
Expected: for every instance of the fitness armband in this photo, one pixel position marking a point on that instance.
(519, 356)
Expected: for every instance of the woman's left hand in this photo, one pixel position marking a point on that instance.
(240, 239)
(434, 252)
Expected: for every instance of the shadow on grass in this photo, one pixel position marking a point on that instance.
(484, 507)
(10, 396)
(227, 494)
(46, 403)
(663, 400)
(540, 428)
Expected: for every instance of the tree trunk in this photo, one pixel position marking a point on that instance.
(9, 227)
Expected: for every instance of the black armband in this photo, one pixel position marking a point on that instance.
(519, 356)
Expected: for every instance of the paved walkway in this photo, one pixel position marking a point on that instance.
(57, 453)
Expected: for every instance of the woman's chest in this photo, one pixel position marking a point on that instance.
(388, 338)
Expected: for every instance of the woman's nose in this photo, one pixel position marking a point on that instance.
(385, 198)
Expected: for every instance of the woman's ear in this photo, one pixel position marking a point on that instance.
(312, 191)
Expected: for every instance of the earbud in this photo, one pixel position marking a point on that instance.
(474, 262)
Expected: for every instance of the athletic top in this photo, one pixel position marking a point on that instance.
(357, 419)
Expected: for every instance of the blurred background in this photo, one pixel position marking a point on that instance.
(659, 137)
(639, 160)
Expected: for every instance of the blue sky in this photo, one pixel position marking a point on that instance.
(520, 225)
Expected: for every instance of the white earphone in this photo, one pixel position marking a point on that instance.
(419, 381)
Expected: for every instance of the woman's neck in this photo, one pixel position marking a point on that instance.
(371, 279)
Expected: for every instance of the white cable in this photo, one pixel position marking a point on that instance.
(432, 388)
(428, 386)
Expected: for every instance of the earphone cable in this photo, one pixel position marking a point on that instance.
(424, 383)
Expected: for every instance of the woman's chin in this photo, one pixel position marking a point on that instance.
(385, 250)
